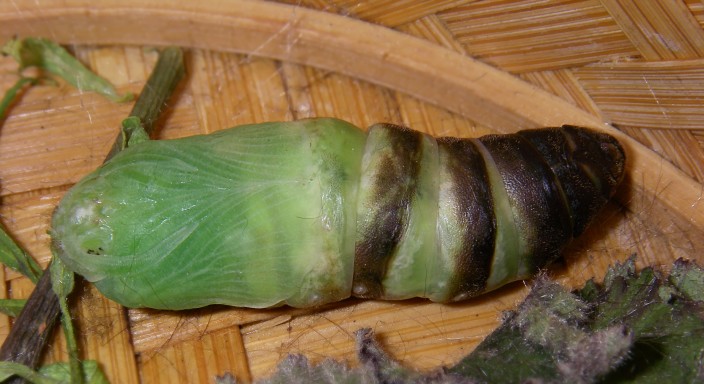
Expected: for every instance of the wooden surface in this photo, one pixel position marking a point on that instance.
(457, 68)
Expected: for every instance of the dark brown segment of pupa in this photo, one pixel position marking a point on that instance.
(394, 188)
(540, 211)
(589, 165)
(474, 203)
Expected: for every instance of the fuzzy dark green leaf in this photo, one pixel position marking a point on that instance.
(635, 327)
(506, 348)
(668, 325)
(376, 368)
(545, 340)
(688, 278)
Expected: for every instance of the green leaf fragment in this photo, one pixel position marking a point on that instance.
(57, 373)
(92, 374)
(133, 132)
(12, 307)
(52, 58)
(14, 257)
(9, 369)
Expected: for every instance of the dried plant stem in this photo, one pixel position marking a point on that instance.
(33, 326)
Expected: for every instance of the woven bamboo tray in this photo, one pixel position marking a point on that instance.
(453, 68)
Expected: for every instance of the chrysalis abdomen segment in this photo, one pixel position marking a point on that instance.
(396, 248)
(506, 206)
(467, 230)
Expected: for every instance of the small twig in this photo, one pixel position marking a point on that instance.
(34, 325)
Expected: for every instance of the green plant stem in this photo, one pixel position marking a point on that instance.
(165, 77)
(62, 280)
(31, 331)
(71, 344)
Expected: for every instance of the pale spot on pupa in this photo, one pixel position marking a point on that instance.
(84, 213)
